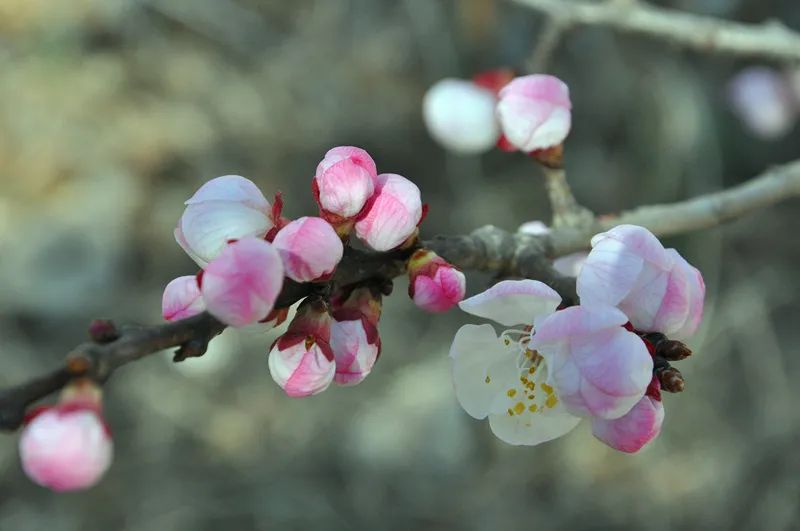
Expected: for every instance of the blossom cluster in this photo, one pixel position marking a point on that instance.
(529, 113)
(553, 366)
(246, 248)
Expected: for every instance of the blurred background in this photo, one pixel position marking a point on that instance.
(113, 112)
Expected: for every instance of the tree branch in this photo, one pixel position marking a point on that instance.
(770, 40)
(772, 186)
(488, 248)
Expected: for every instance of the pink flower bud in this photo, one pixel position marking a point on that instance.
(309, 248)
(240, 285)
(301, 360)
(182, 299)
(534, 112)
(226, 208)
(392, 215)
(655, 287)
(460, 116)
(354, 333)
(763, 100)
(633, 430)
(599, 369)
(355, 346)
(68, 446)
(434, 285)
(345, 180)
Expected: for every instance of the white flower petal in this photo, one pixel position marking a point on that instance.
(483, 369)
(608, 274)
(208, 226)
(513, 302)
(233, 188)
(181, 239)
(532, 428)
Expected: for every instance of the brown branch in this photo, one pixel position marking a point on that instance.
(488, 249)
(99, 361)
(770, 40)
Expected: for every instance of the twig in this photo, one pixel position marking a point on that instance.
(547, 44)
(770, 40)
(709, 210)
(486, 249)
(99, 361)
(567, 212)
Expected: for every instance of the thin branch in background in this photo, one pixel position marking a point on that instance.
(769, 40)
(702, 212)
(547, 43)
(567, 212)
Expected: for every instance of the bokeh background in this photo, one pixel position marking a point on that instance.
(113, 112)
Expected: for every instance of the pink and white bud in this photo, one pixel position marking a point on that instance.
(434, 284)
(223, 209)
(301, 360)
(68, 446)
(356, 346)
(535, 112)
(182, 299)
(346, 178)
(355, 341)
(392, 215)
(240, 285)
(309, 247)
(681, 309)
(762, 99)
(460, 116)
(633, 430)
(655, 287)
(599, 369)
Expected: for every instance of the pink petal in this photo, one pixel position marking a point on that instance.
(353, 352)
(597, 367)
(344, 188)
(576, 321)
(309, 248)
(241, 285)
(442, 292)
(635, 429)
(393, 214)
(513, 302)
(351, 153)
(301, 372)
(182, 299)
